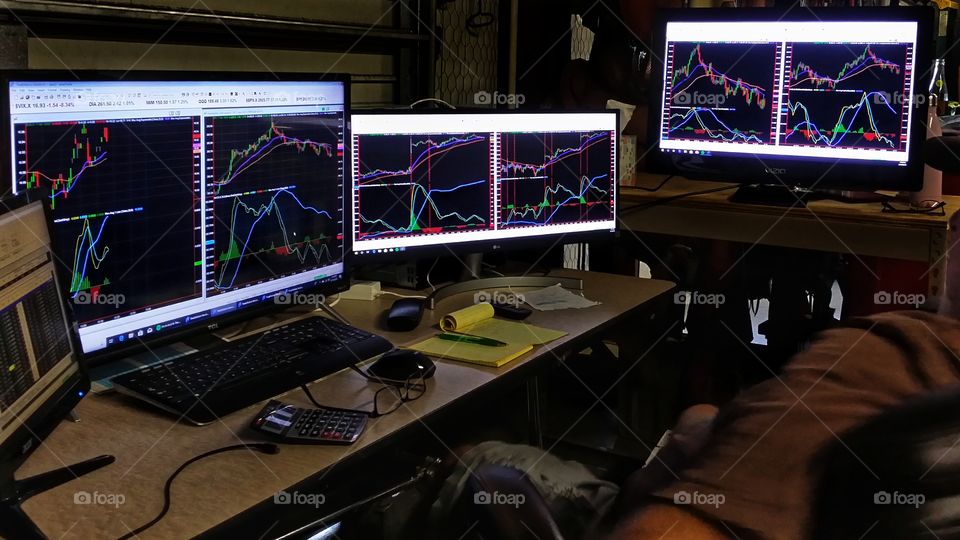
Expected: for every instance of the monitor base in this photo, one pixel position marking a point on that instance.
(14, 522)
(772, 195)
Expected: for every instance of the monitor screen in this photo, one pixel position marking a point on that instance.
(793, 96)
(37, 358)
(480, 180)
(177, 202)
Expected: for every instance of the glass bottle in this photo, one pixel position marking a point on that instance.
(938, 85)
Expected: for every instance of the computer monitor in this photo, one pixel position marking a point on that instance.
(40, 376)
(180, 200)
(827, 98)
(439, 183)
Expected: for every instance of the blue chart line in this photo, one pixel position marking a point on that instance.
(433, 149)
(86, 248)
(538, 210)
(236, 251)
(694, 113)
(415, 213)
(834, 136)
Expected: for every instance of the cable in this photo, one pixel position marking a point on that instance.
(312, 399)
(335, 302)
(401, 295)
(665, 200)
(266, 448)
(432, 100)
(435, 261)
(660, 185)
(479, 19)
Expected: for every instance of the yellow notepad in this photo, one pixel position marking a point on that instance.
(471, 352)
(477, 320)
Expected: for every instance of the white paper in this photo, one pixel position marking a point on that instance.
(554, 298)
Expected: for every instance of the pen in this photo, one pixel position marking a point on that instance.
(467, 338)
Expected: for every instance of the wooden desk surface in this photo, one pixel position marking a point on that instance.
(150, 445)
(825, 209)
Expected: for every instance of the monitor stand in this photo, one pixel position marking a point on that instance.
(470, 280)
(14, 522)
(772, 195)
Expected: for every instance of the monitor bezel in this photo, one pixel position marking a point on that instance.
(118, 351)
(26, 438)
(549, 240)
(824, 174)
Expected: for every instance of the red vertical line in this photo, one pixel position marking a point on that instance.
(412, 186)
(429, 185)
(106, 134)
(88, 150)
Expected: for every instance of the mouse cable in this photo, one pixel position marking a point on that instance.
(266, 448)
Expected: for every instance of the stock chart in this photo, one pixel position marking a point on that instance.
(118, 190)
(274, 195)
(554, 178)
(846, 95)
(721, 91)
(422, 184)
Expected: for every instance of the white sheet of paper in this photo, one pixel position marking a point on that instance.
(556, 297)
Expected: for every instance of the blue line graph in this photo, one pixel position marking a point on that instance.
(416, 214)
(433, 149)
(537, 211)
(843, 126)
(713, 133)
(238, 250)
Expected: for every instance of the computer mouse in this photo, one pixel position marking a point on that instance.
(405, 314)
(402, 365)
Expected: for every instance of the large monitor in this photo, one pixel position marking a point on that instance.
(472, 182)
(180, 200)
(828, 98)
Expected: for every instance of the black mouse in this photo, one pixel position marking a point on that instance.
(402, 365)
(405, 314)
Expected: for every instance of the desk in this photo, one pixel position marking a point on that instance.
(859, 229)
(149, 445)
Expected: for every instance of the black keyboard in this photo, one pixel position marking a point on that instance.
(206, 385)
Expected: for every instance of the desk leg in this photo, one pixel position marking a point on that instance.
(938, 263)
(534, 420)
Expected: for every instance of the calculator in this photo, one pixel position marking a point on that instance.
(292, 424)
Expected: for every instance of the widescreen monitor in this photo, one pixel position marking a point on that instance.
(439, 183)
(181, 200)
(826, 98)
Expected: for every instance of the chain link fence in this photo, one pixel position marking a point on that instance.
(467, 62)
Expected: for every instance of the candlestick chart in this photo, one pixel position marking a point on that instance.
(117, 191)
(553, 178)
(423, 184)
(274, 196)
(846, 95)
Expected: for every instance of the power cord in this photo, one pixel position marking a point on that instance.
(266, 448)
(665, 200)
(660, 185)
(431, 100)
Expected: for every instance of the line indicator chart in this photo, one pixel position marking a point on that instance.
(555, 178)
(422, 184)
(721, 91)
(119, 190)
(846, 95)
(272, 208)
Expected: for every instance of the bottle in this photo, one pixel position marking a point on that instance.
(938, 85)
(932, 189)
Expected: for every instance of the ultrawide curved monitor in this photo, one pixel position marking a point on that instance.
(438, 183)
(810, 98)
